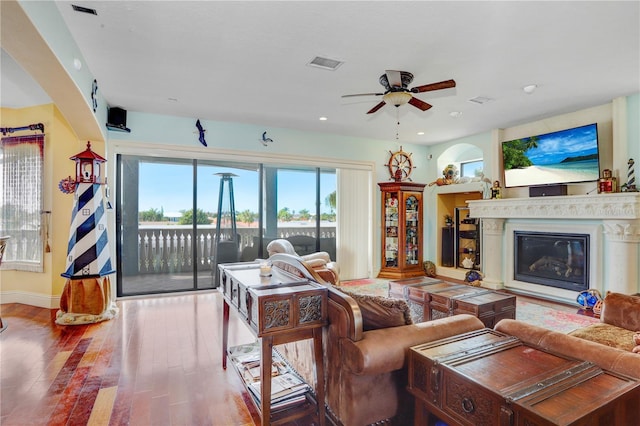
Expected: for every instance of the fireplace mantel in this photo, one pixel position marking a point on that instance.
(614, 216)
(625, 205)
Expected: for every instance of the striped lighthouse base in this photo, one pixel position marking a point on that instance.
(86, 301)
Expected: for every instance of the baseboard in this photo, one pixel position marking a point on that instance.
(31, 299)
(541, 296)
(492, 284)
(449, 272)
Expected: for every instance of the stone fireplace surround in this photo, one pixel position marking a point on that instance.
(611, 220)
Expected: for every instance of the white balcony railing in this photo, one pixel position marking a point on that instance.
(169, 248)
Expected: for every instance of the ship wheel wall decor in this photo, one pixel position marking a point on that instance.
(400, 165)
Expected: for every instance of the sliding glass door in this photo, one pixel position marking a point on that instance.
(155, 237)
(304, 205)
(167, 216)
(240, 189)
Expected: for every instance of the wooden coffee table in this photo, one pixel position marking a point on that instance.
(432, 299)
(488, 378)
(398, 288)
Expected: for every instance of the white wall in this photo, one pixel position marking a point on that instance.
(168, 136)
(619, 139)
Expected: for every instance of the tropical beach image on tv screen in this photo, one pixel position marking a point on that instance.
(566, 156)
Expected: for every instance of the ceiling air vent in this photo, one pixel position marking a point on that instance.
(84, 9)
(480, 100)
(325, 63)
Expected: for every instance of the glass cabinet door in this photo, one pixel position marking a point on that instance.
(392, 229)
(412, 234)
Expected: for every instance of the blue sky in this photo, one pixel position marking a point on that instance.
(169, 186)
(555, 147)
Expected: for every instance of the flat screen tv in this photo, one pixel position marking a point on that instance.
(566, 156)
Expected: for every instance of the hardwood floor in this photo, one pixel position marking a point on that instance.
(157, 363)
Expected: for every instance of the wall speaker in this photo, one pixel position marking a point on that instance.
(117, 119)
(447, 247)
(547, 190)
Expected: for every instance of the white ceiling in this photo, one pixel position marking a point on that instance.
(246, 61)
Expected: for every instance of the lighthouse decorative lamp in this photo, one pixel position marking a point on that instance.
(87, 297)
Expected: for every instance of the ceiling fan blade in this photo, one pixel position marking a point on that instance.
(394, 78)
(419, 104)
(375, 108)
(434, 86)
(362, 94)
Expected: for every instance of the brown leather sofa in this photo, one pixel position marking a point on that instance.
(606, 357)
(607, 344)
(619, 321)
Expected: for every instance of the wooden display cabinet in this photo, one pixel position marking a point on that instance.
(401, 229)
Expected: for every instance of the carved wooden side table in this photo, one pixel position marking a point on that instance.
(278, 309)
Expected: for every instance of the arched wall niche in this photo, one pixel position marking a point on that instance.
(450, 197)
(457, 154)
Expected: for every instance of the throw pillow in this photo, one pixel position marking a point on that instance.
(607, 334)
(380, 312)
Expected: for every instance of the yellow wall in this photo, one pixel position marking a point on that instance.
(44, 289)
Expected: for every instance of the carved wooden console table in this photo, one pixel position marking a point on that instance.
(279, 309)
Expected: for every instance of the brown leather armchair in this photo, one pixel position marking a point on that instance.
(365, 371)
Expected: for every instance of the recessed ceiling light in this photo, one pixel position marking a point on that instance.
(77, 64)
(420, 133)
(455, 114)
(530, 88)
(323, 118)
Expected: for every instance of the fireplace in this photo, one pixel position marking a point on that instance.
(612, 222)
(559, 260)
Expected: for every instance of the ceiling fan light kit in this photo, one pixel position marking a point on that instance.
(397, 98)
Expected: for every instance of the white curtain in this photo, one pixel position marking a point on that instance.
(21, 163)
(355, 215)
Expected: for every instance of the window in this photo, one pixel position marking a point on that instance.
(471, 168)
(21, 169)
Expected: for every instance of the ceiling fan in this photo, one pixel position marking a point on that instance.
(396, 92)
